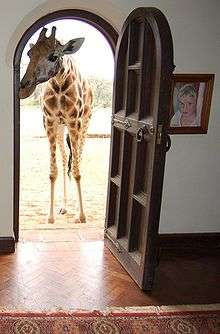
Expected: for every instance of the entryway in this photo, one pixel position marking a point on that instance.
(98, 67)
(31, 147)
(142, 89)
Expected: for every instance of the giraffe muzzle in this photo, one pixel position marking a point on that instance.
(26, 89)
(25, 84)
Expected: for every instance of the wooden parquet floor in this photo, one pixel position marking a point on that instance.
(83, 274)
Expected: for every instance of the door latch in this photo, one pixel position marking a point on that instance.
(146, 129)
(159, 134)
(159, 137)
(126, 123)
(140, 133)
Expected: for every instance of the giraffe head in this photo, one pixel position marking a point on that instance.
(45, 60)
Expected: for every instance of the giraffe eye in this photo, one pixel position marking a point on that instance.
(52, 58)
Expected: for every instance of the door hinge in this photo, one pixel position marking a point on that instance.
(168, 142)
(159, 133)
(114, 242)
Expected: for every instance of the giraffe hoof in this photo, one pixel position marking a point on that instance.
(51, 220)
(81, 220)
(62, 211)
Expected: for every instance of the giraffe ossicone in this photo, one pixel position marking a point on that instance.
(66, 102)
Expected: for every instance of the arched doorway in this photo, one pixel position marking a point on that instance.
(100, 24)
(139, 142)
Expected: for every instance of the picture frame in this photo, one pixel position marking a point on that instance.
(190, 103)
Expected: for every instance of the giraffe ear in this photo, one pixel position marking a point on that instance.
(72, 46)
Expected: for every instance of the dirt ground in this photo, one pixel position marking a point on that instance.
(35, 186)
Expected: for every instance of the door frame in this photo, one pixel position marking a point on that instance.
(97, 22)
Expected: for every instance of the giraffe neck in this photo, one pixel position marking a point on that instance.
(65, 95)
(68, 67)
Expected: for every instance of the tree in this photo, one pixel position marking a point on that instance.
(102, 91)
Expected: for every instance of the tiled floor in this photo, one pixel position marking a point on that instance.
(72, 270)
(59, 235)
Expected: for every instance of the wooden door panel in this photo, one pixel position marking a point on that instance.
(144, 64)
(121, 85)
(142, 168)
(125, 170)
(117, 147)
(148, 74)
(136, 32)
(133, 93)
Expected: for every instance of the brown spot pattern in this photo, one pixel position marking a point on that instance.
(63, 102)
(46, 111)
(55, 86)
(72, 124)
(79, 125)
(69, 93)
(72, 132)
(86, 110)
(52, 140)
(52, 102)
(49, 123)
(73, 113)
(66, 84)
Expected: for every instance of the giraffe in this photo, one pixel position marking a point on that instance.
(66, 102)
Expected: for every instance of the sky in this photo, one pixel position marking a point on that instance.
(95, 57)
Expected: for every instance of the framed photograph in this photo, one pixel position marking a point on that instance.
(190, 103)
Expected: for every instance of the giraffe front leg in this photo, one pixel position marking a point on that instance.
(51, 133)
(76, 174)
(60, 139)
(82, 217)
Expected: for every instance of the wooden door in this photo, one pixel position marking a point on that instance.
(141, 98)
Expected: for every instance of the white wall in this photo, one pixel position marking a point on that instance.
(191, 189)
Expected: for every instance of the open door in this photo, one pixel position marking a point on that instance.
(142, 88)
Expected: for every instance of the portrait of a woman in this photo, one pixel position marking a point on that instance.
(187, 105)
(190, 103)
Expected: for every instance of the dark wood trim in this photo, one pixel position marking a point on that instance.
(7, 245)
(96, 21)
(16, 171)
(190, 241)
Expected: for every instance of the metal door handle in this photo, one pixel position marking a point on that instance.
(146, 129)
